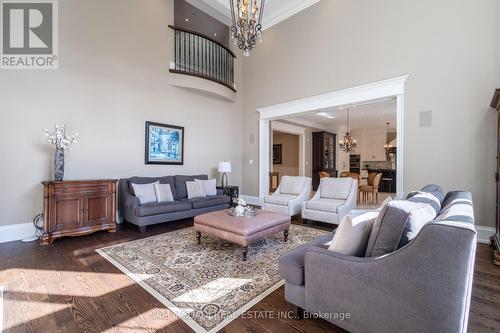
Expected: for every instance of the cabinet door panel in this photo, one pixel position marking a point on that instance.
(66, 212)
(98, 209)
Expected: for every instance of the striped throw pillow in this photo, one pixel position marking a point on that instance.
(195, 190)
(163, 193)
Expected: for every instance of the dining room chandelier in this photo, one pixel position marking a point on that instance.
(348, 143)
(247, 23)
(387, 145)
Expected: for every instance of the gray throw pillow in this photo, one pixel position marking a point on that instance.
(432, 189)
(397, 224)
(425, 198)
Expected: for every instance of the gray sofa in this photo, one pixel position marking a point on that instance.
(152, 213)
(422, 286)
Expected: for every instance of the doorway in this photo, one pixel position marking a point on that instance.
(287, 148)
(392, 88)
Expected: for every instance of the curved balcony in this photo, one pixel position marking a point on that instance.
(202, 56)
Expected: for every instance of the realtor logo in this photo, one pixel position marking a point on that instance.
(29, 34)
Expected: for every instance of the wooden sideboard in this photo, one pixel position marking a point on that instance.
(80, 207)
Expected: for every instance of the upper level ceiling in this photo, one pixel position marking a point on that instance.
(371, 116)
(275, 11)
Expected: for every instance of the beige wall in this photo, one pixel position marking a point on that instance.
(451, 51)
(113, 76)
(290, 153)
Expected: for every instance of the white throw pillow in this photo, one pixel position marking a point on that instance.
(195, 190)
(145, 192)
(163, 193)
(351, 237)
(209, 186)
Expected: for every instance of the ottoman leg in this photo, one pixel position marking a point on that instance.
(244, 252)
(198, 237)
(285, 235)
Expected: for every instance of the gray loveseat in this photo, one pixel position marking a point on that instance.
(152, 213)
(422, 286)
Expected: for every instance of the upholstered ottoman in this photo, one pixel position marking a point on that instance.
(241, 230)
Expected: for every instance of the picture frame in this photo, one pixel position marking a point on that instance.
(277, 153)
(164, 144)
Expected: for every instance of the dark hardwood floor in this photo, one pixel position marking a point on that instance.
(68, 287)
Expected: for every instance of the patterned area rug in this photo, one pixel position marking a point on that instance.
(206, 285)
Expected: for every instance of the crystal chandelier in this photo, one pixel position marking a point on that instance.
(387, 146)
(348, 143)
(247, 23)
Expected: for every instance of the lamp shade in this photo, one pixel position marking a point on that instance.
(224, 166)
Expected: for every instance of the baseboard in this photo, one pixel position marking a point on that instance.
(14, 232)
(251, 199)
(484, 234)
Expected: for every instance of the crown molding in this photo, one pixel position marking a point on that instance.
(275, 12)
(215, 8)
(292, 7)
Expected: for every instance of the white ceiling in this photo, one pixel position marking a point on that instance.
(362, 117)
(275, 11)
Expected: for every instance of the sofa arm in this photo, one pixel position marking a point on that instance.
(424, 286)
(131, 204)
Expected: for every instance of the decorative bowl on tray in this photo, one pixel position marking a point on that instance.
(242, 210)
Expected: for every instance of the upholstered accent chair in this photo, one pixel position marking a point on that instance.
(353, 175)
(333, 200)
(289, 195)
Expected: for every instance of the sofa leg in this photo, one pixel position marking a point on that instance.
(285, 235)
(142, 229)
(198, 237)
(297, 311)
(304, 221)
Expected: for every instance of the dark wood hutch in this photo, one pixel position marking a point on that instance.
(324, 155)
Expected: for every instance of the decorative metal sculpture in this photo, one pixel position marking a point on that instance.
(242, 210)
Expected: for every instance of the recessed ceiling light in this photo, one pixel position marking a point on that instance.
(326, 115)
(187, 20)
(215, 35)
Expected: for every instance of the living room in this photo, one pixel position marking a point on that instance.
(116, 75)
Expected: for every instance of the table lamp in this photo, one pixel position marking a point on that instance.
(224, 167)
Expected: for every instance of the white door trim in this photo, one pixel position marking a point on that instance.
(394, 87)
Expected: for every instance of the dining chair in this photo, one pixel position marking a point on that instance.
(372, 187)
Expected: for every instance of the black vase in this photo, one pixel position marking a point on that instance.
(59, 165)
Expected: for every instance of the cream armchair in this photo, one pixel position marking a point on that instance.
(333, 200)
(289, 195)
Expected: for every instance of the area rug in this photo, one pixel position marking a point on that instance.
(206, 285)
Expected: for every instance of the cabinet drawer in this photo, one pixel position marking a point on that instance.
(98, 188)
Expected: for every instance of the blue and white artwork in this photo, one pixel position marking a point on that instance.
(164, 144)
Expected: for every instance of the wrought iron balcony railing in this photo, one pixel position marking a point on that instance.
(202, 56)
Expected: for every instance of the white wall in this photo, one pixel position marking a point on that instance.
(450, 50)
(113, 76)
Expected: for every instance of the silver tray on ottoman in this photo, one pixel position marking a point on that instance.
(247, 212)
